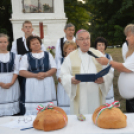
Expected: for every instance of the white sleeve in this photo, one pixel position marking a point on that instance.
(23, 63)
(52, 61)
(14, 47)
(16, 64)
(58, 54)
(66, 76)
(43, 47)
(124, 50)
(129, 63)
(58, 68)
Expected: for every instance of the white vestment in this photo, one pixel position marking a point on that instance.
(91, 95)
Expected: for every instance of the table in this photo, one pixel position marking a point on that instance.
(74, 127)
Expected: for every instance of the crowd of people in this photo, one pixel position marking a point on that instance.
(26, 73)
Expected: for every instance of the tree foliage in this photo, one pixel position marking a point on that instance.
(109, 18)
(77, 14)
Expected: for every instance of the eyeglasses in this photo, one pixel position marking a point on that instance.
(82, 39)
(25, 119)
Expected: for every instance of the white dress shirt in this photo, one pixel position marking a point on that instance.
(14, 46)
(58, 54)
(124, 50)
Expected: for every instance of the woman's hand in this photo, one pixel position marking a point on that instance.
(102, 60)
(6, 85)
(41, 75)
(74, 81)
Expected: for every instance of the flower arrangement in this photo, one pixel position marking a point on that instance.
(51, 49)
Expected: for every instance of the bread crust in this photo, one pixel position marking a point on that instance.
(110, 118)
(51, 119)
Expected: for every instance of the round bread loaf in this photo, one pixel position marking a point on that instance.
(109, 118)
(51, 119)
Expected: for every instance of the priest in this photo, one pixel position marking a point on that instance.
(85, 97)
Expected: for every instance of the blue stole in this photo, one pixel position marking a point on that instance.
(9, 66)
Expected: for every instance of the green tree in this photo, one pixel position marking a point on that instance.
(109, 17)
(77, 14)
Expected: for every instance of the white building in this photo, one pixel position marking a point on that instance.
(53, 23)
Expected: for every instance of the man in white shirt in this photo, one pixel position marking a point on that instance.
(69, 30)
(19, 45)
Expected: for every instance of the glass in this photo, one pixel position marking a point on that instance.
(25, 119)
(82, 39)
(37, 6)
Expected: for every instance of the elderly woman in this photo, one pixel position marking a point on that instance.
(38, 87)
(126, 78)
(101, 45)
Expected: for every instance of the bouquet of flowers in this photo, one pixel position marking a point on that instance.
(51, 49)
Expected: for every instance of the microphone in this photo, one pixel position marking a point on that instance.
(92, 54)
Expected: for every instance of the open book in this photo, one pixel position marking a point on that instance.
(92, 77)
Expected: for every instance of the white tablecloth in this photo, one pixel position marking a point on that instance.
(74, 127)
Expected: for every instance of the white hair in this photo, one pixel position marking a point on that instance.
(81, 31)
(129, 28)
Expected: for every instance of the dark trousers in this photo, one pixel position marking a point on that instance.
(130, 105)
(20, 79)
(22, 82)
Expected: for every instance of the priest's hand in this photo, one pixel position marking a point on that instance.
(103, 60)
(99, 80)
(74, 81)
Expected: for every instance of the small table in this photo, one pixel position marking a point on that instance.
(73, 127)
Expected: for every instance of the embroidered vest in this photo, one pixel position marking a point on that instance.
(38, 65)
(21, 47)
(9, 66)
(61, 45)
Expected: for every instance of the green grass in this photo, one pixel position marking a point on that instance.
(117, 56)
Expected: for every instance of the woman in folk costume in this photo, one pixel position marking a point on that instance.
(101, 45)
(85, 97)
(126, 78)
(38, 68)
(9, 86)
(62, 97)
